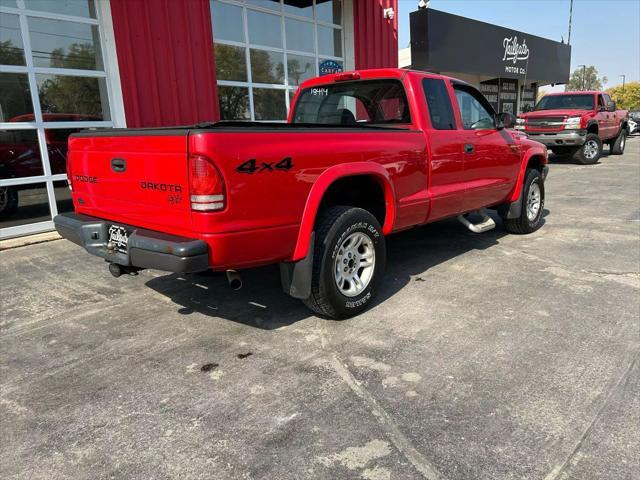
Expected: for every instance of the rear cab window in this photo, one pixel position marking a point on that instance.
(439, 104)
(363, 102)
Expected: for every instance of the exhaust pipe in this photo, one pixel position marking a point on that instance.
(234, 279)
(117, 270)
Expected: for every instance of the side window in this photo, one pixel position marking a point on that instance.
(601, 104)
(475, 115)
(439, 103)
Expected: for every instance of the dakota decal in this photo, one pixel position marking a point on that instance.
(161, 187)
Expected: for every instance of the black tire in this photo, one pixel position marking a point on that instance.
(333, 227)
(617, 146)
(8, 201)
(583, 155)
(523, 224)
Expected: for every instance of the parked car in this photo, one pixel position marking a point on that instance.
(633, 126)
(364, 154)
(578, 124)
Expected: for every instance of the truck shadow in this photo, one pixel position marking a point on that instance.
(568, 160)
(262, 304)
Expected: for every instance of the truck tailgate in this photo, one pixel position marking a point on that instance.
(135, 179)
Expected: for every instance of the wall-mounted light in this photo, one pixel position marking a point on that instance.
(389, 13)
(422, 4)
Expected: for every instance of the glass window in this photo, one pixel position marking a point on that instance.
(329, 11)
(8, 3)
(280, 41)
(11, 47)
(227, 21)
(439, 103)
(329, 41)
(78, 8)
(264, 29)
(266, 67)
(66, 98)
(61, 44)
(19, 154)
(300, 35)
(15, 98)
(63, 196)
(23, 204)
(231, 63)
(373, 101)
(234, 103)
(269, 104)
(270, 4)
(475, 115)
(300, 68)
(57, 147)
(296, 7)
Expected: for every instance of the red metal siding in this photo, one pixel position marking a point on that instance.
(375, 37)
(165, 56)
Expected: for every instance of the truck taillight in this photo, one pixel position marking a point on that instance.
(206, 185)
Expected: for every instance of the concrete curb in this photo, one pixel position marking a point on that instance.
(28, 240)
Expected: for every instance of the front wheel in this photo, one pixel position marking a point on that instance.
(348, 262)
(590, 151)
(532, 206)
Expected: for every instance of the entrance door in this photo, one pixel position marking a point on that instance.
(491, 157)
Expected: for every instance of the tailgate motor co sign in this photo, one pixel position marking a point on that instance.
(515, 52)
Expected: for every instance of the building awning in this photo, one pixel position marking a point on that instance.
(443, 42)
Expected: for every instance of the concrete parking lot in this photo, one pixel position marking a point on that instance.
(486, 356)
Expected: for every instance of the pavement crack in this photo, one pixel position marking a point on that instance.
(560, 467)
(404, 446)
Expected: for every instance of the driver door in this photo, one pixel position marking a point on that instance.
(491, 157)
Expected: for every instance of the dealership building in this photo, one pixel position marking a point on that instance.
(66, 65)
(506, 65)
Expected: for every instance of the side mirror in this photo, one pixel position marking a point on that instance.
(611, 106)
(505, 120)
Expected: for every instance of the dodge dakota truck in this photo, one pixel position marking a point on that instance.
(577, 124)
(364, 154)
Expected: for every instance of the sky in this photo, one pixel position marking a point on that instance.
(604, 33)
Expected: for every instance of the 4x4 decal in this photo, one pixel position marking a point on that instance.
(251, 166)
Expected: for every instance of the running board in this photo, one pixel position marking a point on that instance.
(485, 225)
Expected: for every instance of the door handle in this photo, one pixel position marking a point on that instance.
(469, 148)
(118, 164)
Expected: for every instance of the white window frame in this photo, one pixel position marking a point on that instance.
(283, 14)
(110, 74)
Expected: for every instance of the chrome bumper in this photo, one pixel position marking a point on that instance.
(558, 139)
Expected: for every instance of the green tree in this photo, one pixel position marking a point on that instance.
(71, 94)
(10, 55)
(585, 78)
(627, 98)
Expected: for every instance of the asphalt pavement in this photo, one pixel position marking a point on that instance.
(489, 356)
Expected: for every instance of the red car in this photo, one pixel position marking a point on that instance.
(577, 123)
(363, 155)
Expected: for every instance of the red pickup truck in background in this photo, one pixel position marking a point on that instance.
(363, 155)
(577, 123)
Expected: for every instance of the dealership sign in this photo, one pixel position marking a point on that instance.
(515, 52)
(446, 43)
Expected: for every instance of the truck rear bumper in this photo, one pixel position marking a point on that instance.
(144, 249)
(559, 139)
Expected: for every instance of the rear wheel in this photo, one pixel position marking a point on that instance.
(348, 262)
(617, 146)
(530, 218)
(590, 151)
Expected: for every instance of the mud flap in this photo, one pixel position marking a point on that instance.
(296, 276)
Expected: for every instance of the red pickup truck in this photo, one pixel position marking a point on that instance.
(577, 123)
(363, 155)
